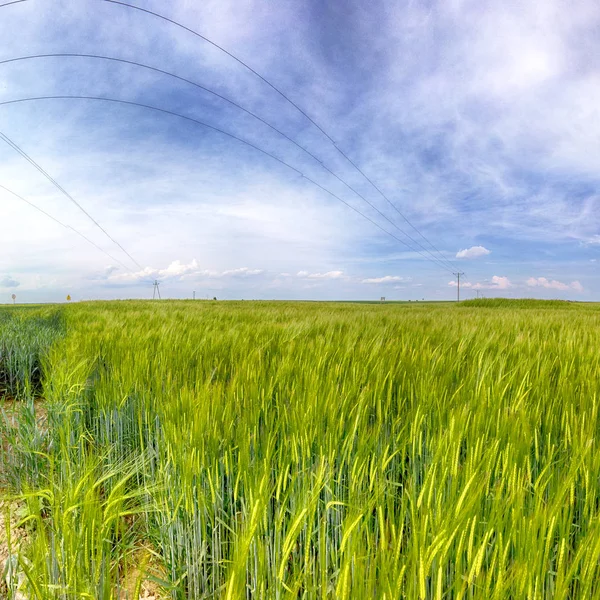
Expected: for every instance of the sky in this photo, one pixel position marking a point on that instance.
(427, 138)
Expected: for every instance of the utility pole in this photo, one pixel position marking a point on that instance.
(156, 290)
(194, 295)
(458, 285)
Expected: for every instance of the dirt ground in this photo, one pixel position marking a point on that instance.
(10, 515)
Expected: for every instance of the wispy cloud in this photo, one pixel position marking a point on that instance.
(387, 279)
(243, 272)
(327, 275)
(496, 283)
(554, 284)
(501, 283)
(179, 271)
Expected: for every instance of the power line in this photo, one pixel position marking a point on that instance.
(169, 74)
(252, 114)
(292, 103)
(13, 2)
(14, 146)
(250, 144)
(287, 99)
(452, 266)
(154, 14)
(230, 135)
(73, 229)
(41, 210)
(209, 42)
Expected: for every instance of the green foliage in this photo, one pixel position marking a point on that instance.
(25, 337)
(536, 305)
(279, 450)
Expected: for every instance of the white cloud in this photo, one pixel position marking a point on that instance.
(179, 271)
(9, 282)
(473, 252)
(554, 284)
(243, 272)
(327, 275)
(387, 279)
(501, 283)
(576, 285)
(496, 283)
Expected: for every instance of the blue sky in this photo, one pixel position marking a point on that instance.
(480, 122)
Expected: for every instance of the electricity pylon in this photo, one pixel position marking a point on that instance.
(458, 285)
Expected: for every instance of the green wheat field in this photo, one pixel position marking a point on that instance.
(300, 450)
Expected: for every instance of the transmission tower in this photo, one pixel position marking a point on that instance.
(156, 290)
(458, 285)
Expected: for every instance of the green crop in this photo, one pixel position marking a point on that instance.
(25, 337)
(327, 451)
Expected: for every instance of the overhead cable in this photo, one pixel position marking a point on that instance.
(15, 147)
(73, 229)
(242, 108)
(286, 98)
(230, 135)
